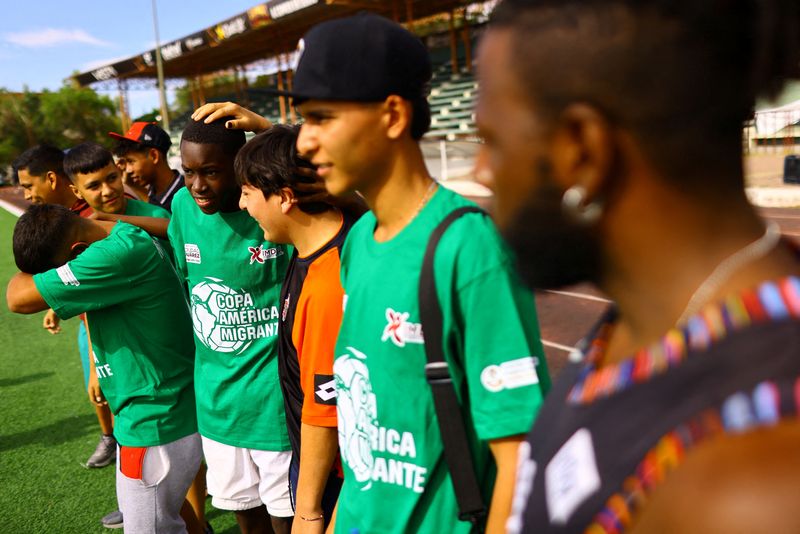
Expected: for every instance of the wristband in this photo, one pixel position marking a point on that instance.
(317, 518)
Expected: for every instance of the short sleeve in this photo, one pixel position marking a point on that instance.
(316, 328)
(494, 314)
(176, 244)
(98, 278)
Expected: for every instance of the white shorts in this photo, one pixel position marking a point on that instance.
(241, 479)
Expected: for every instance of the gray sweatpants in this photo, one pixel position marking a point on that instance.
(152, 504)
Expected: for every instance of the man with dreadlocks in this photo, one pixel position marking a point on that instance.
(613, 137)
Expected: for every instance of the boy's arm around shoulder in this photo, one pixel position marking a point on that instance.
(155, 226)
(22, 295)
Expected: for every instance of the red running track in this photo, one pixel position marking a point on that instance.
(564, 316)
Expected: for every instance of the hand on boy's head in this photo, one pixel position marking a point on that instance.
(312, 189)
(315, 191)
(243, 119)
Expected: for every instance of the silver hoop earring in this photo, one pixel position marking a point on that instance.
(573, 204)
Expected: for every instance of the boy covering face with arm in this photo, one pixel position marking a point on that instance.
(141, 334)
(41, 174)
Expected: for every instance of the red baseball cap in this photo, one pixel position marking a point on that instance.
(147, 134)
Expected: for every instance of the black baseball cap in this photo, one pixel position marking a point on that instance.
(146, 134)
(362, 58)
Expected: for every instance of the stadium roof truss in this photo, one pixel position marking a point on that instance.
(266, 30)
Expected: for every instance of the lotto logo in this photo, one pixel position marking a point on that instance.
(325, 390)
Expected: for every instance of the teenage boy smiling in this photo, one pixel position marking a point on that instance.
(233, 278)
(142, 150)
(311, 297)
(363, 122)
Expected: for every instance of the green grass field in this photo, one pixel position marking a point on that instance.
(48, 428)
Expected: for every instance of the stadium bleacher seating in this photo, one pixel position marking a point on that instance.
(452, 99)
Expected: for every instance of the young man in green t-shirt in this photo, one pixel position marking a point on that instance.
(233, 276)
(363, 120)
(141, 334)
(40, 170)
(97, 180)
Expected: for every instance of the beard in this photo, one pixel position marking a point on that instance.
(552, 249)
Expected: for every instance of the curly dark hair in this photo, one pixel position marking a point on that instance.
(214, 133)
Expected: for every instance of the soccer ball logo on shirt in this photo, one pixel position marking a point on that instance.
(226, 320)
(374, 452)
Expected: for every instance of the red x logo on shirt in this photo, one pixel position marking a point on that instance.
(255, 254)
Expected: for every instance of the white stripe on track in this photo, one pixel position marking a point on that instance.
(11, 208)
(578, 295)
(558, 346)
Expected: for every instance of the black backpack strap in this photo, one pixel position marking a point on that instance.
(448, 411)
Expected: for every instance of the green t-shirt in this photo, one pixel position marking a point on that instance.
(395, 476)
(234, 279)
(145, 209)
(141, 332)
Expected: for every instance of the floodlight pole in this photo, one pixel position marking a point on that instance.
(160, 71)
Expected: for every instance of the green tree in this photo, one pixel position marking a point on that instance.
(64, 118)
(75, 115)
(18, 120)
(154, 115)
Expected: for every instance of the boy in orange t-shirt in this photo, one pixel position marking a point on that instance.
(311, 309)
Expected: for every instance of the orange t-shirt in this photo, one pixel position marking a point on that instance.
(311, 313)
(316, 326)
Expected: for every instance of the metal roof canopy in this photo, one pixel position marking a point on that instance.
(266, 30)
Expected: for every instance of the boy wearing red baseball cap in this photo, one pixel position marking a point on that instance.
(143, 150)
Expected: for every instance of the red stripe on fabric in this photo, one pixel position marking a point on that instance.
(131, 460)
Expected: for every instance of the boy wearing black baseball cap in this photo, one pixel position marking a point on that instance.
(143, 150)
(361, 85)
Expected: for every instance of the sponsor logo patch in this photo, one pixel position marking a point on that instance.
(192, 253)
(510, 375)
(67, 276)
(400, 331)
(571, 477)
(260, 254)
(325, 390)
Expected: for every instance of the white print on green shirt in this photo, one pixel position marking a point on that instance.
(373, 452)
(226, 320)
(104, 370)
